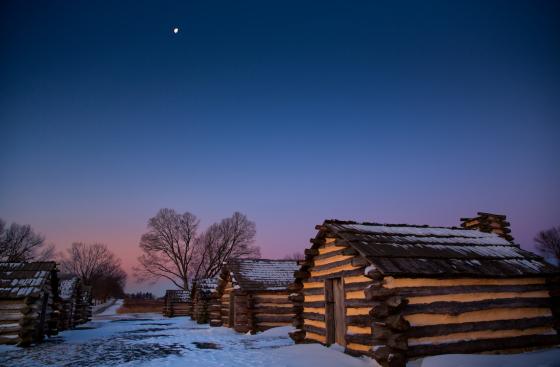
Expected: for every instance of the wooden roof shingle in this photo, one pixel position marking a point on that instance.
(410, 250)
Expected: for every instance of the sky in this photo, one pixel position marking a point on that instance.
(291, 112)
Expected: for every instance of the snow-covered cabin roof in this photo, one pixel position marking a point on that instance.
(261, 274)
(20, 280)
(67, 286)
(205, 286)
(413, 250)
(177, 295)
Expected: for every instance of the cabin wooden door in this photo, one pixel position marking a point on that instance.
(41, 326)
(231, 317)
(335, 312)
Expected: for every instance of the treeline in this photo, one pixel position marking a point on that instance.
(140, 295)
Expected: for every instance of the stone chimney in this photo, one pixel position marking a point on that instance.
(488, 222)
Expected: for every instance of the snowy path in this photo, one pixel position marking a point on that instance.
(146, 340)
(149, 340)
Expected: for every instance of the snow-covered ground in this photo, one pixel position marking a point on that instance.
(149, 340)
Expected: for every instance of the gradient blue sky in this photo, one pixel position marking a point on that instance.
(289, 111)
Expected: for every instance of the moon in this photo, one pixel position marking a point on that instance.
(176, 30)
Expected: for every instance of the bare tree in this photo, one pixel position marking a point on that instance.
(92, 262)
(548, 242)
(20, 243)
(231, 238)
(298, 255)
(172, 249)
(168, 247)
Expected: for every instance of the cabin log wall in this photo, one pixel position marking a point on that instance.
(331, 260)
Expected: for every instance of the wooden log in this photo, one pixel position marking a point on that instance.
(301, 274)
(398, 341)
(443, 290)
(381, 353)
(311, 252)
(483, 345)
(358, 286)
(359, 338)
(357, 303)
(359, 320)
(296, 297)
(380, 331)
(295, 287)
(397, 322)
(374, 274)
(314, 291)
(349, 251)
(455, 308)
(318, 241)
(377, 292)
(396, 302)
(380, 310)
(273, 310)
(332, 265)
(314, 329)
(297, 336)
(297, 322)
(445, 329)
(359, 262)
(274, 318)
(313, 316)
(396, 360)
(338, 274)
(314, 304)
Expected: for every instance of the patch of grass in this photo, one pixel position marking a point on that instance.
(140, 306)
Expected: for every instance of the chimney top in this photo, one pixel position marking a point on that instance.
(490, 223)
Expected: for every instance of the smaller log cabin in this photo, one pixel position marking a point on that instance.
(252, 295)
(398, 292)
(84, 311)
(203, 290)
(70, 291)
(177, 303)
(28, 302)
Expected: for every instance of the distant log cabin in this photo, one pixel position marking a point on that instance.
(84, 309)
(70, 291)
(177, 303)
(203, 290)
(398, 292)
(252, 295)
(28, 302)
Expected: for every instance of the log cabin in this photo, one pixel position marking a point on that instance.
(252, 295)
(397, 292)
(28, 302)
(70, 291)
(203, 290)
(177, 303)
(84, 311)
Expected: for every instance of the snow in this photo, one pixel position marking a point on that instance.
(150, 340)
(544, 358)
(455, 235)
(369, 268)
(112, 310)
